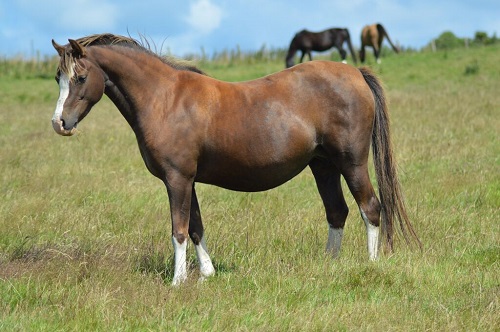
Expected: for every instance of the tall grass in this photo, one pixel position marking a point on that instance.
(84, 228)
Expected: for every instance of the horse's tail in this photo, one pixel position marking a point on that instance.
(348, 39)
(391, 197)
(382, 32)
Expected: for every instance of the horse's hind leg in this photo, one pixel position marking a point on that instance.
(362, 53)
(343, 53)
(328, 182)
(358, 180)
(196, 233)
(376, 52)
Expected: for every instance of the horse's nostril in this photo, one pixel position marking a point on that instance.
(63, 124)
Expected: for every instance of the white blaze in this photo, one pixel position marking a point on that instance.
(63, 95)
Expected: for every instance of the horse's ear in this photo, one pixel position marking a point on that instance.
(78, 50)
(60, 49)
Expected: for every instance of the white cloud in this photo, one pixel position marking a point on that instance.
(204, 16)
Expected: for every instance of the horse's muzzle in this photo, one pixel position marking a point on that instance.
(58, 125)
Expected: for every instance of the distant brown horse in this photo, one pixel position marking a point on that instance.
(248, 136)
(307, 41)
(373, 35)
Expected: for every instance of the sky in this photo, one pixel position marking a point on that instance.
(182, 27)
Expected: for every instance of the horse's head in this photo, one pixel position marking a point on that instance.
(81, 85)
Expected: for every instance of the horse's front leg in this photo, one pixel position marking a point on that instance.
(302, 56)
(196, 232)
(179, 191)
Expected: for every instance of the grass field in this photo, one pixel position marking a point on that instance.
(85, 229)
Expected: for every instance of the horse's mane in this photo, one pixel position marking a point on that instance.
(143, 45)
(107, 39)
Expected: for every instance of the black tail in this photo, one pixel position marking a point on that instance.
(391, 197)
(348, 39)
(383, 33)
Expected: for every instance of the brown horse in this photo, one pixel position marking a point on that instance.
(307, 41)
(249, 136)
(373, 35)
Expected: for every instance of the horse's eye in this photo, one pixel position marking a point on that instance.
(57, 79)
(81, 79)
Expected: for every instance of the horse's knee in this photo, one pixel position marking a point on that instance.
(179, 236)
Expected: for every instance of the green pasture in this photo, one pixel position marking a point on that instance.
(85, 229)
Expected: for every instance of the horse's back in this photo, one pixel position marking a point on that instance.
(328, 74)
(308, 90)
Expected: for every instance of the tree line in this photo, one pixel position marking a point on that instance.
(448, 40)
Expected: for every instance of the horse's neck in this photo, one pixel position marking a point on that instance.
(133, 78)
(121, 102)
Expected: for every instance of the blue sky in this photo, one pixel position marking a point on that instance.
(185, 26)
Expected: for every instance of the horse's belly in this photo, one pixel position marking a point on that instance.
(259, 151)
(239, 177)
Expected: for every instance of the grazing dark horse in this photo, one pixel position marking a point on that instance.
(373, 35)
(307, 41)
(248, 136)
